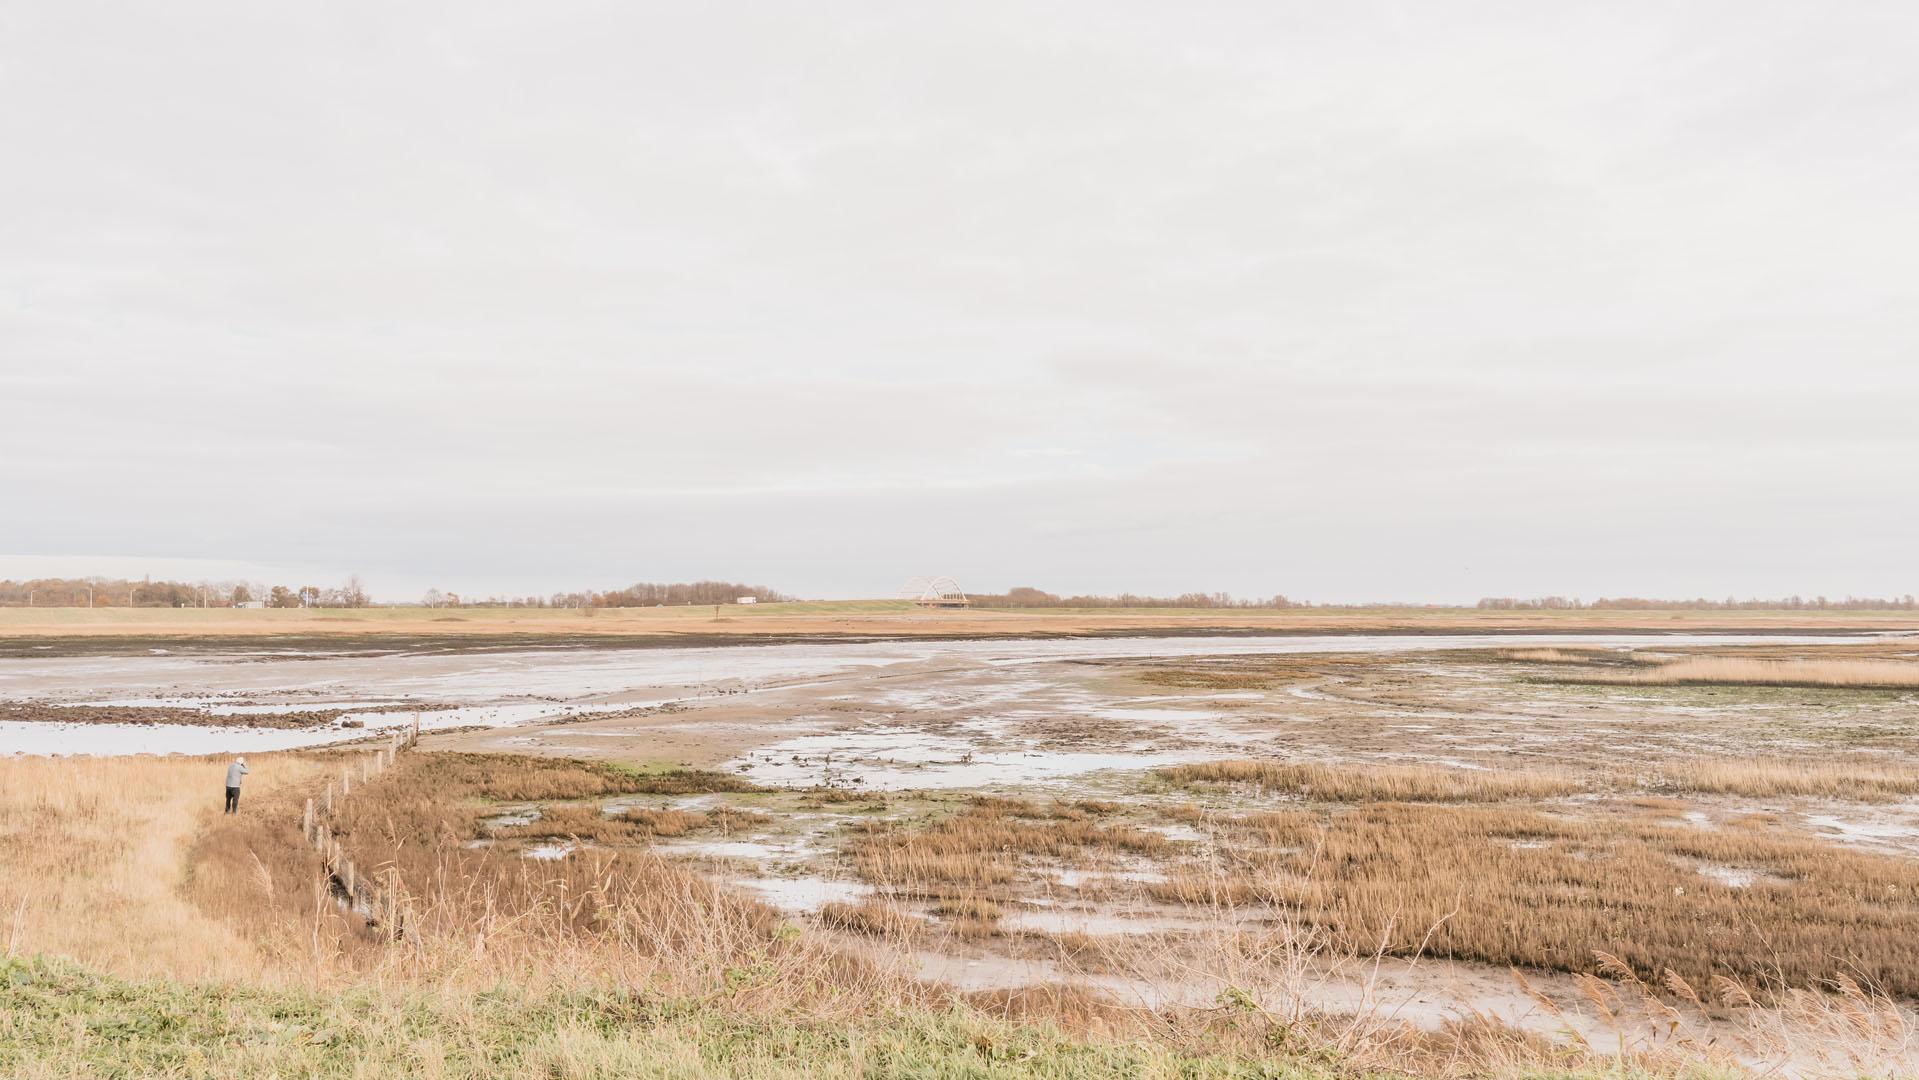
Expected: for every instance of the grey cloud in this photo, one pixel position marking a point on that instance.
(1342, 300)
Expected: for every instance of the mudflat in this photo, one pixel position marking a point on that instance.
(1572, 840)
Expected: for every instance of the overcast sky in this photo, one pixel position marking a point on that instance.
(1343, 300)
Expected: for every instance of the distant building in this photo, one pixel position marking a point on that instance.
(251, 604)
(747, 600)
(938, 592)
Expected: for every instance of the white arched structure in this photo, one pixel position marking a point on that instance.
(939, 591)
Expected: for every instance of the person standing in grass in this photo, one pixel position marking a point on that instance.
(234, 772)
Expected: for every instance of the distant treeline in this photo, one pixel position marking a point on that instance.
(1024, 597)
(1631, 603)
(103, 592)
(121, 592)
(676, 594)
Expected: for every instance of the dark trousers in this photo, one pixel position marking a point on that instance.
(233, 800)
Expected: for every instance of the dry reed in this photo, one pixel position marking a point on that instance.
(1855, 778)
(1375, 783)
(1745, 671)
(1513, 886)
(981, 846)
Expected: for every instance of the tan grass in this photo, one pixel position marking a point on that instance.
(1865, 780)
(982, 846)
(666, 822)
(1559, 656)
(875, 917)
(1743, 671)
(576, 823)
(524, 778)
(864, 618)
(476, 915)
(1377, 783)
(93, 852)
(968, 907)
(1513, 886)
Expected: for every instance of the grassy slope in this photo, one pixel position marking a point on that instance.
(58, 1020)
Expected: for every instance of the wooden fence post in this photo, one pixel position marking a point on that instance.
(306, 823)
(329, 798)
(391, 912)
(346, 782)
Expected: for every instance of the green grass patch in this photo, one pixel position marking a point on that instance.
(57, 1020)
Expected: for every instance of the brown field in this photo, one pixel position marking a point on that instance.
(495, 627)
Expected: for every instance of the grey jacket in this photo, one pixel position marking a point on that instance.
(234, 772)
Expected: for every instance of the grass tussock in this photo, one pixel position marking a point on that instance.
(690, 782)
(667, 823)
(1057, 809)
(982, 845)
(968, 907)
(572, 823)
(521, 778)
(633, 825)
(824, 795)
(1237, 672)
(874, 917)
(1376, 783)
